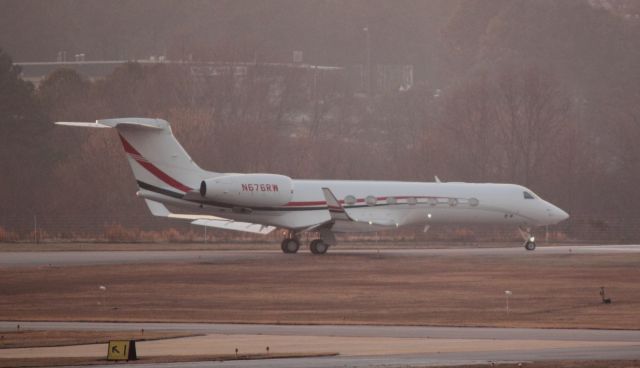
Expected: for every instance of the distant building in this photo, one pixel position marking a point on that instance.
(385, 78)
(36, 71)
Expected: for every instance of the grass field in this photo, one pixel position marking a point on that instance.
(26, 339)
(87, 361)
(352, 288)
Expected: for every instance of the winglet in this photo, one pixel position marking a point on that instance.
(336, 210)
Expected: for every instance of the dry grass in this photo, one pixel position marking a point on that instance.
(54, 362)
(564, 364)
(26, 339)
(548, 291)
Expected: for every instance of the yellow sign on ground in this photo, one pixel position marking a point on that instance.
(121, 350)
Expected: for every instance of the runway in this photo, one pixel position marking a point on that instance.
(362, 346)
(78, 258)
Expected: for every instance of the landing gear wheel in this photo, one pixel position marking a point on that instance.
(290, 245)
(529, 239)
(317, 246)
(529, 245)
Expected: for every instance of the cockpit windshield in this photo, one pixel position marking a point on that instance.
(528, 195)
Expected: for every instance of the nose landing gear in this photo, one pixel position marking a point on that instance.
(530, 245)
(529, 239)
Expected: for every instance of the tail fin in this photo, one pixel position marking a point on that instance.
(156, 158)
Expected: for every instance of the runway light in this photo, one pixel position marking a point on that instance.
(507, 294)
(104, 295)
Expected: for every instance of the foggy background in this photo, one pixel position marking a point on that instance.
(541, 93)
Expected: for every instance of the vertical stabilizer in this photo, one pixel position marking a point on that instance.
(157, 159)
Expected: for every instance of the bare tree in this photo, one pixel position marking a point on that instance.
(532, 118)
(469, 130)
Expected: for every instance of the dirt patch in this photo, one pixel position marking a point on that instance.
(558, 291)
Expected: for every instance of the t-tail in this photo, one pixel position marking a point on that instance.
(158, 161)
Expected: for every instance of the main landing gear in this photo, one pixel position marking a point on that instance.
(317, 246)
(529, 239)
(291, 244)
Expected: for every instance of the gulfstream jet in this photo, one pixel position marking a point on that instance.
(261, 203)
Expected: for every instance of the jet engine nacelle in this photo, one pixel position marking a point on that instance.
(251, 190)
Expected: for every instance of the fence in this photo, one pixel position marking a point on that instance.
(146, 228)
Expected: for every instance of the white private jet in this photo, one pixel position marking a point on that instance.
(260, 203)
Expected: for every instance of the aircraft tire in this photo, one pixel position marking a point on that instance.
(529, 245)
(317, 246)
(290, 245)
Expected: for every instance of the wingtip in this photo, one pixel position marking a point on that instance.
(83, 124)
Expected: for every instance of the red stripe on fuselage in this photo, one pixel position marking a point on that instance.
(316, 203)
(359, 200)
(128, 148)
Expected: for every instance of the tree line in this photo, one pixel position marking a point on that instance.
(553, 106)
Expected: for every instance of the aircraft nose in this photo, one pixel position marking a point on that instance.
(561, 214)
(556, 214)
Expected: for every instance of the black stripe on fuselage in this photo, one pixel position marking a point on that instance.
(153, 188)
(177, 195)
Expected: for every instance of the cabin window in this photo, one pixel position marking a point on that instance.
(371, 200)
(528, 195)
(391, 200)
(412, 200)
(350, 200)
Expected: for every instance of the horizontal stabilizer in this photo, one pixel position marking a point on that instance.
(157, 208)
(114, 123)
(82, 124)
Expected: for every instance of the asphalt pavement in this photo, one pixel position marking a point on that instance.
(498, 345)
(80, 258)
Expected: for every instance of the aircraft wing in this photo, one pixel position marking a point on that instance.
(159, 209)
(235, 225)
